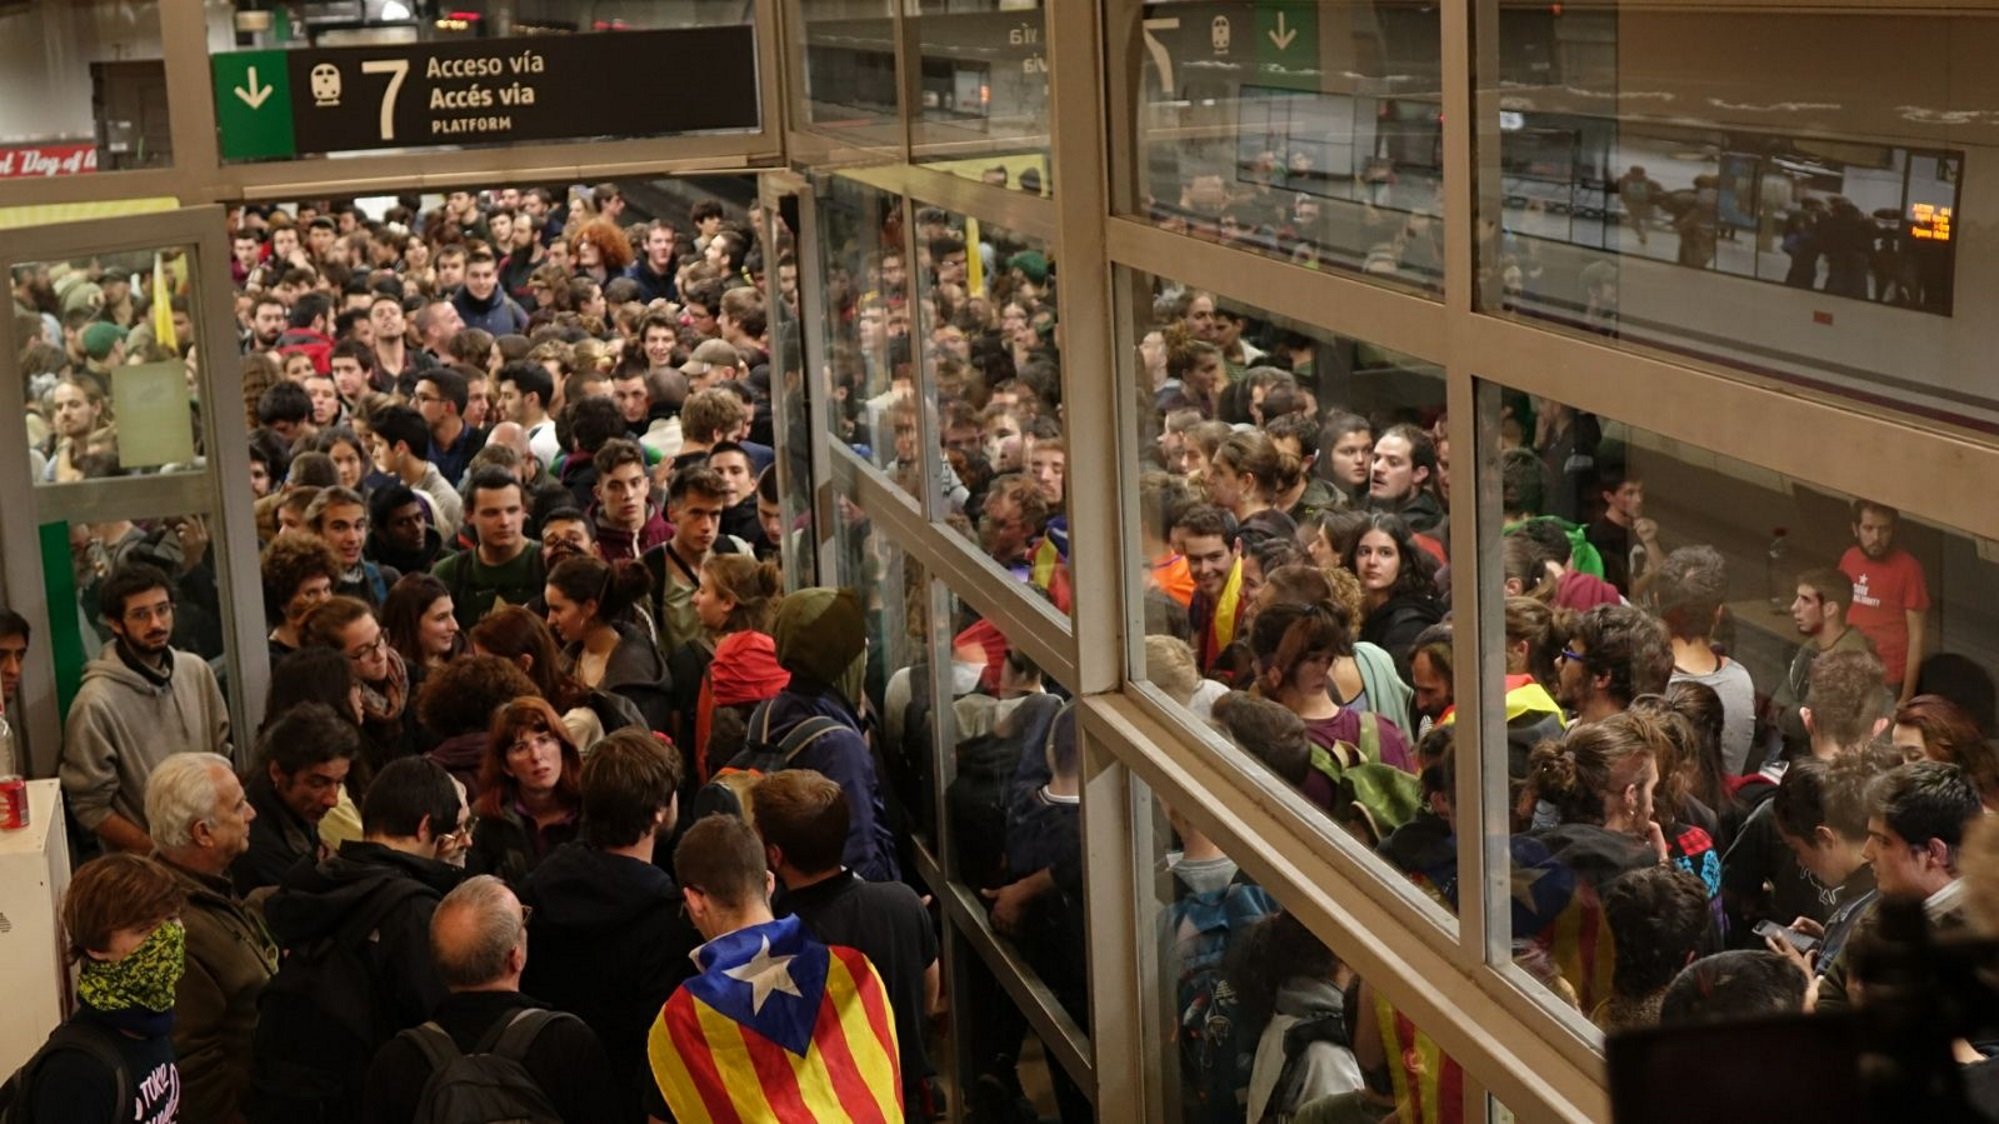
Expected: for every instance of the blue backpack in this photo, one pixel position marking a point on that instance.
(1216, 1050)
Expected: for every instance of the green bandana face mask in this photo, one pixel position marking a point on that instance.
(145, 979)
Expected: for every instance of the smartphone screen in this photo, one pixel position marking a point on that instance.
(1797, 940)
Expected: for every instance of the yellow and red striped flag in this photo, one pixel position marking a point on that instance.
(778, 1026)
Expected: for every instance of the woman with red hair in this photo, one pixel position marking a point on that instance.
(601, 250)
(530, 791)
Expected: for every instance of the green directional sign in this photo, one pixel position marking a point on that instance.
(253, 105)
(1287, 44)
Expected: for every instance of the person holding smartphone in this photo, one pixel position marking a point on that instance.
(1821, 814)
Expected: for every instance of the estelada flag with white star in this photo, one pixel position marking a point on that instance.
(778, 1027)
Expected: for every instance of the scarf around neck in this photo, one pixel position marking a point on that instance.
(383, 702)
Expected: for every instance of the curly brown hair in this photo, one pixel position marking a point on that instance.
(294, 558)
(461, 696)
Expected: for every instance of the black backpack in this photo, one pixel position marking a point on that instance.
(980, 796)
(1288, 1096)
(328, 983)
(490, 1085)
(17, 1095)
(729, 789)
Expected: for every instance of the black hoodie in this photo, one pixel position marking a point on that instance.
(607, 943)
(384, 553)
(307, 1065)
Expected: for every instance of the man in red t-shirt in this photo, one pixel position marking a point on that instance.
(1889, 594)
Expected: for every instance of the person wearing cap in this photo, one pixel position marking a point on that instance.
(821, 639)
(714, 361)
(103, 349)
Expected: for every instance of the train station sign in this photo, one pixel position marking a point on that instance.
(279, 104)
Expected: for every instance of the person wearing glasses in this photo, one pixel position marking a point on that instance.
(348, 625)
(1615, 653)
(141, 701)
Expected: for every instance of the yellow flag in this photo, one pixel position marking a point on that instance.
(975, 264)
(163, 306)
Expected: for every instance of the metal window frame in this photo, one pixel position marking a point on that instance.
(225, 437)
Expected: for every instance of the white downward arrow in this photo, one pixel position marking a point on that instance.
(1282, 36)
(255, 96)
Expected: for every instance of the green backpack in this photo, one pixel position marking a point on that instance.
(1370, 798)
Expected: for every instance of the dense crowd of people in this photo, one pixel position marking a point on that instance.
(519, 514)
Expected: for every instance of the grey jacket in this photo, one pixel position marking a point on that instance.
(122, 725)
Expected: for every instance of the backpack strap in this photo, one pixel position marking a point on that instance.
(1370, 735)
(436, 1045)
(514, 1038)
(92, 1040)
(804, 734)
(654, 561)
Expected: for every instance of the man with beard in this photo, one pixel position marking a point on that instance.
(1889, 594)
(1402, 479)
(267, 323)
(1615, 653)
(141, 701)
(402, 536)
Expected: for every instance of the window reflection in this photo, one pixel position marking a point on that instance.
(1307, 132)
(984, 94)
(1661, 182)
(1704, 665)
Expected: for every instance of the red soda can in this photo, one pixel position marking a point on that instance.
(13, 803)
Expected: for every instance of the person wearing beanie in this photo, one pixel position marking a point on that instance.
(821, 638)
(103, 349)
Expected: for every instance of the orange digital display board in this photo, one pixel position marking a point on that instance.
(1930, 222)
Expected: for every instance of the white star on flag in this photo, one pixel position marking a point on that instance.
(764, 973)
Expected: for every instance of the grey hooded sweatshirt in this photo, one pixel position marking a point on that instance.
(124, 723)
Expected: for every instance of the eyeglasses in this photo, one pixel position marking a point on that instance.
(1574, 656)
(371, 648)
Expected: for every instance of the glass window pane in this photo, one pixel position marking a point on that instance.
(1238, 992)
(1303, 130)
(1013, 805)
(984, 96)
(847, 59)
(1722, 602)
(994, 388)
(128, 407)
(865, 292)
(793, 509)
(1295, 552)
(83, 88)
(1661, 182)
